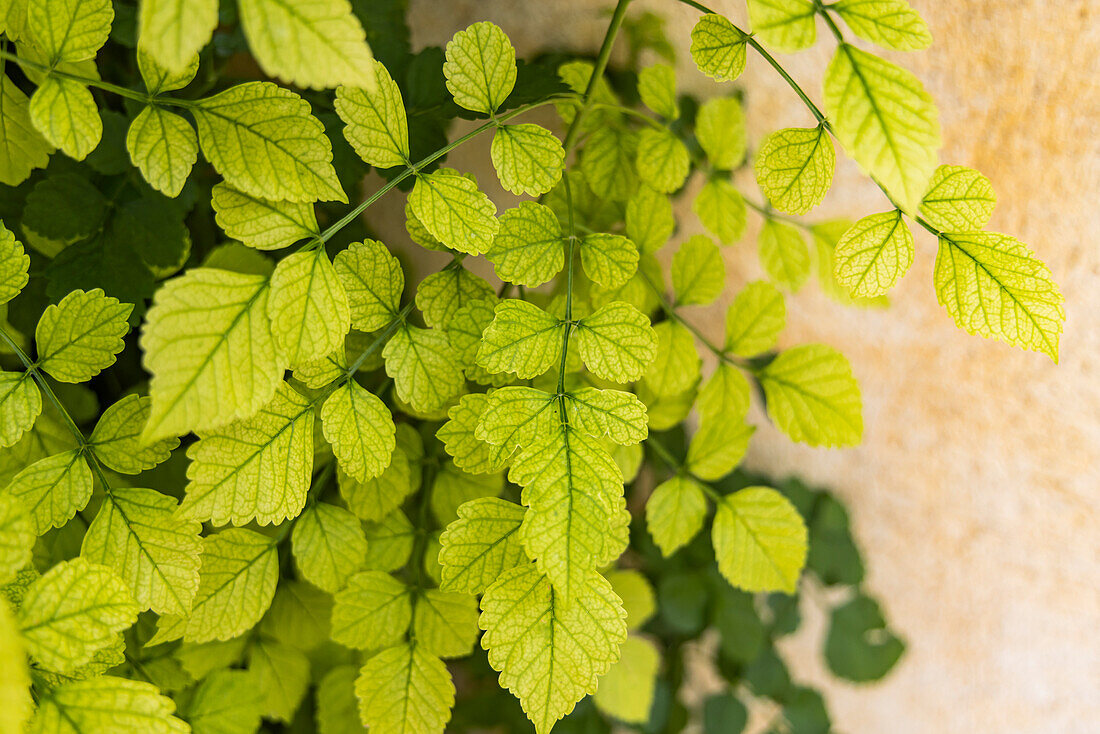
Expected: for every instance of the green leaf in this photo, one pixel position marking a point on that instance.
(69, 30)
(174, 31)
(72, 611)
(79, 337)
(959, 199)
(550, 655)
(794, 168)
(675, 512)
(616, 342)
(14, 264)
(784, 254)
(318, 44)
(376, 498)
(619, 415)
(260, 223)
(574, 493)
(53, 489)
(454, 211)
(373, 611)
(522, 339)
(718, 48)
(264, 141)
(137, 533)
(626, 691)
(465, 331)
(718, 446)
(755, 319)
(993, 286)
(698, 271)
(528, 247)
(886, 120)
(107, 704)
(22, 147)
(445, 623)
(329, 545)
(457, 434)
(874, 254)
(608, 259)
(281, 671)
(16, 539)
(405, 689)
(607, 162)
(65, 113)
(657, 88)
(727, 391)
(225, 702)
(724, 714)
(440, 295)
(453, 487)
(649, 220)
(15, 683)
(637, 596)
(512, 417)
(481, 545)
(721, 209)
(813, 397)
(164, 148)
(373, 280)
(663, 160)
(720, 129)
(64, 207)
(676, 366)
(788, 25)
(858, 645)
(20, 405)
(159, 79)
(361, 430)
(207, 342)
(337, 708)
(236, 584)
(759, 540)
(424, 367)
(480, 67)
(528, 158)
(308, 307)
(892, 24)
(376, 125)
(255, 469)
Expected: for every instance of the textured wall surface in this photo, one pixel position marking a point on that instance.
(975, 491)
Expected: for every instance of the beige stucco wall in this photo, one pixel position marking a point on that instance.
(975, 490)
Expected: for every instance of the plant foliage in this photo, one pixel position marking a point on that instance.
(257, 472)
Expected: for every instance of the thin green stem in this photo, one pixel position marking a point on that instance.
(36, 374)
(597, 71)
(98, 83)
(823, 11)
(676, 467)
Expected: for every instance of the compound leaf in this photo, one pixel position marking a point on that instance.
(375, 122)
(308, 307)
(886, 120)
(236, 584)
(373, 281)
(164, 147)
(138, 534)
(262, 223)
(874, 254)
(72, 611)
(264, 141)
(993, 286)
(794, 168)
(550, 655)
(318, 44)
(255, 469)
(208, 344)
(813, 397)
(755, 319)
(480, 67)
(718, 47)
(361, 430)
(760, 540)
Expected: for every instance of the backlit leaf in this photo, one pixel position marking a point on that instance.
(375, 120)
(759, 540)
(794, 168)
(874, 254)
(813, 397)
(261, 223)
(480, 67)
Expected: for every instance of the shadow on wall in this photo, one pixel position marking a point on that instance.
(972, 491)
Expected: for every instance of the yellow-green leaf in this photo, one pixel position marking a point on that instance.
(405, 689)
(455, 211)
(236, 584)
(959, 199)
(657, 88)
(20, 405)
(784, 254)
(813, 397)
(720, 129)
(675, 512)
(376, 125)
(760, 540)
(663, 161)
(66, 115)
(721, 209)
(788, 25)
(528, 158)
(480, 67)
(80, 336)
(373, 281)
(755, 319)
(164, 148)
(424, 367)
(718, 48)
(889, 23)
(361, 430)
(53, 489)
(328, 545)
(14, 265)
(174, 31)
(22, 147)
(69, 30)
(262, 223)
(794, 168)
(528, 248)
(698, 271)
(307, 306)
(874, 254)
